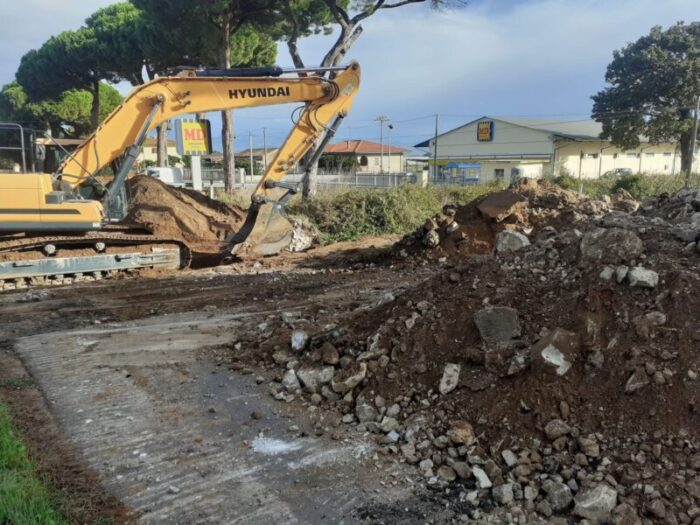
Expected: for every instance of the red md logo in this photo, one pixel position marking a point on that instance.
(194, 134)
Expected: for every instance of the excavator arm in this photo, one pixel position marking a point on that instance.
(122, 133)
(194, 91)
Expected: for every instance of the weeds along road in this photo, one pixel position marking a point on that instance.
(130, 372)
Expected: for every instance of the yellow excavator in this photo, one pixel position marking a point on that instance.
(44, 215)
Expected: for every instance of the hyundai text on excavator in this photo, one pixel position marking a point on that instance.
(46, 216)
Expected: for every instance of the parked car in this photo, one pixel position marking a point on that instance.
(618, 172)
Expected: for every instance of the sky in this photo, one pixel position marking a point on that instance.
(541, 58)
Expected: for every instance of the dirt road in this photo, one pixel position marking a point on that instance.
(132, 374)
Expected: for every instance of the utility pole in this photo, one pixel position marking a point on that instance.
(250, 152)
(435, 145)
(389, 128)
(693, 141)
(382, 119)
(265, 149)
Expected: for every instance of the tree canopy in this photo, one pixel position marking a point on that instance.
(72, 107)
(653, 85)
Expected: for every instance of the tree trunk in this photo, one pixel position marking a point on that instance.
(227, 134)
(162, 145)
(310, 180)
(685, 153)
(95, 110)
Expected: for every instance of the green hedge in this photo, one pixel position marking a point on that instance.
(349, 214)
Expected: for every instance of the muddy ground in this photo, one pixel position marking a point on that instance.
(131, 410)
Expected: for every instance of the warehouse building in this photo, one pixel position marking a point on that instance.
(505, 148)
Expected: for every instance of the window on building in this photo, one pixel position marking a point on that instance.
(376, 161)
(499, 174)
(363, 160)
(154, 150)
(614, 155)
(631, 155)
(668, 154)
(590, 155)
(648, 154)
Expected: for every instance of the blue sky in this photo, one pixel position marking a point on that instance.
(493, 57)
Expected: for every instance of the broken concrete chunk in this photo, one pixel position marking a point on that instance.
(510, 241)
(641, 277)
(482, 480)
(500, 205)
(509, 457)
(347, 379)
(290, 381)
(596, 503)
(329, 354)
(556, 428)
(558, 494)
(450, 378)
(461, 433)
(299, 340)
(503, 494)
(637, 380)
(613, 245)
(312, 378)
(644, 325)
(497, 324)
(607, 273)
(555, 352)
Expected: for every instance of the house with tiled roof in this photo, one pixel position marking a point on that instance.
(371, 157)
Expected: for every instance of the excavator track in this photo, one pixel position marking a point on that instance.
(27, 260)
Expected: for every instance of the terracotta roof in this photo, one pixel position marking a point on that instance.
(362, 147)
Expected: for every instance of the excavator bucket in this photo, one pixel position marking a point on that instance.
(277, 233)
(266, 230)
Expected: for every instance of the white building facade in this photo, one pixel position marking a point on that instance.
(491, 148)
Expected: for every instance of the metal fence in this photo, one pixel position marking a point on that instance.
(215, 178)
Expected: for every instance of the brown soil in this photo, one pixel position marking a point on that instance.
(178, 213)
(75, 487)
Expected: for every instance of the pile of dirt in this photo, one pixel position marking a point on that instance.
(180, 213)
(529, 205)
(549, 365)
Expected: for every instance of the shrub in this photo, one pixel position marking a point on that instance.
(347, 215)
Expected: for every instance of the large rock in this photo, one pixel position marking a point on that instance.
(637, 380)
(347, 379)
(313, 378)
(366, 412)
(497, 324)
(555, 352)
(643, 278)
(510, 241)
(461, 433)
(612, 246)
(482, 479)
(556, 428)
(558, 494)
(450, 378)
(290, 381)
(596, 503)
(501, 204)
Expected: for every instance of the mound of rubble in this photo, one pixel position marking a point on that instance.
(548, 367)
(179, 213)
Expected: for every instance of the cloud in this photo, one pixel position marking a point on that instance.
(28, 24)
(498, 57)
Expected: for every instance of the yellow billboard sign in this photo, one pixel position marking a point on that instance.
(193, 137)
(484, 131)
